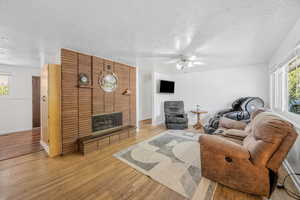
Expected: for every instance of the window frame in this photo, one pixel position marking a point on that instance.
(284, 96)
(287, 84)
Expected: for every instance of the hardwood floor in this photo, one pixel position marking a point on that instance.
(97, 175)
(19, 143)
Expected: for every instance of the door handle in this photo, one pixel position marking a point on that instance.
(44, 98)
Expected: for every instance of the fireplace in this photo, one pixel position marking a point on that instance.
(106, 121)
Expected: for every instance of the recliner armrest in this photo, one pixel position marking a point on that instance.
(183, 115)
(222, 146)
(227, 123)
(235, 133)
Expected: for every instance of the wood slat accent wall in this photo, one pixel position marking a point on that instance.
(79, 104)
(98, 95)
(69, 107)
(85, 97)
(109, 97)
(133, 96)
(122, 103)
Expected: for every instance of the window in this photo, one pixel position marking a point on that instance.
(4, 85)
(278, 90)
(294, 86)
(285, 88)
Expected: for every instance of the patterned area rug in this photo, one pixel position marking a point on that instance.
(173, 159)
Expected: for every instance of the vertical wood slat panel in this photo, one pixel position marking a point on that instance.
(84, 97)
(133, 96)
(122, 102)
(69, 79)
(98, 93)
(79, 104)
(108, 96)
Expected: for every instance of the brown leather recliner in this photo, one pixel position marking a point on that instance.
(251, 167)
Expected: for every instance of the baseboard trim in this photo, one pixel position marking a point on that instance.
(19, 131)
(157, 123)
(290, 170)
(145, 121)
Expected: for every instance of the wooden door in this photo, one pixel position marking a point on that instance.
(35, 101)
(53, 102)
(44, 105)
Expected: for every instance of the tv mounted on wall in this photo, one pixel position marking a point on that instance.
(166, 86)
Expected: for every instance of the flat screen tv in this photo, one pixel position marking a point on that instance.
(166, 86)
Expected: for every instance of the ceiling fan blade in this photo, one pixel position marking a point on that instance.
(172, 61)
(198, 63)
(196, 59)
(157, 55)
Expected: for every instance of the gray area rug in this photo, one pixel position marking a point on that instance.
(172, 158)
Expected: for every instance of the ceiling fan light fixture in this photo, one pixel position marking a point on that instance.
(179, 66)
(187, 62)
(193, 57)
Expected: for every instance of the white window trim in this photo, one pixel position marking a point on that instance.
(282, 109)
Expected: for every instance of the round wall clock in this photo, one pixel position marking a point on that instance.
(83, 79)
(108, 82)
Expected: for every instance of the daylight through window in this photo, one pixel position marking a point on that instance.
(294, 86)
(4, 85)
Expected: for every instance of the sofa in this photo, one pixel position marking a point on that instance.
(251, 166)
(241, 110)
(175, 117)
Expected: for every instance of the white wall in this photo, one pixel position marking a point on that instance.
(287, 46)
(212, 89)
(160, 98)
(216, 89)
(16, 109)
(284, 51)
(145, 92)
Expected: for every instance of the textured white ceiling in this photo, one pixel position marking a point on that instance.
(231, 32)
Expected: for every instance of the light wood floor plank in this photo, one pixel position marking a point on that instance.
(97, 175)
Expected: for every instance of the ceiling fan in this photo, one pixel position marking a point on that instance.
(181, 61)
(184, 62)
